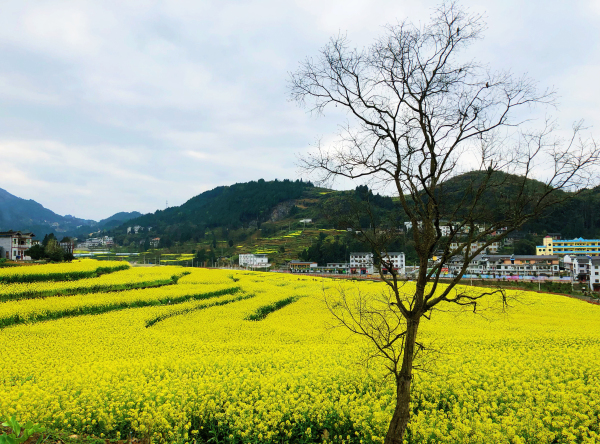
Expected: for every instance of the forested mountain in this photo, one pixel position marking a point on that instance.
(231, 213)
(118, 219)
(229, 207)
(251, 204)
(21, 214)
(28, 215)
(577, 217)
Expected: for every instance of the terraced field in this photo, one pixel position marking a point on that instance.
(221, 356)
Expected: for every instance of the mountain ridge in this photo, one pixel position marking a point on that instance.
(250, 204)
(21, 214)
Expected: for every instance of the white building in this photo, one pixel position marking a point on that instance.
(595, 274)
(362, 262)
(254, 260)
(490, 249)
(67, 246)
(96, 242)
(339, 265)
(397, 260)
(580, 267)
(303, 266)
(497, 266)
(13, 245)
(584, 269)
(447, 229)
(409, 225)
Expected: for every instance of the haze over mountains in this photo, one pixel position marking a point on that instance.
(28, 215)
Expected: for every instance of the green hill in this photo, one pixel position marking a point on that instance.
(269, 217)
(118, 219)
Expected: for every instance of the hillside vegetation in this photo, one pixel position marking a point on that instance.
(264, 217)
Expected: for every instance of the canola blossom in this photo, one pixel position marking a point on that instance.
(33, 310)
(193, 370)
(79, 269)
(120, 280)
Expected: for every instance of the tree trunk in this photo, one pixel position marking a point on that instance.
(401, 415)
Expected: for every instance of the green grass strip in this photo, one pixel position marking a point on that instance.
(61, 276)
(157, 319)
(263, 311)
(83, 311)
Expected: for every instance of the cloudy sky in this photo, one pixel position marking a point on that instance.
(120, 106)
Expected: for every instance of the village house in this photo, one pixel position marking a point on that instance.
(13, 245)
(362, 262)
(67, 245)
(580, 270)
(509, 265)
(491, 249)
(584, 270)
(594, 274)
(301, 266)
(254, 260)
(96, 242)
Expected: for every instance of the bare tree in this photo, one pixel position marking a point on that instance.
(421, 114)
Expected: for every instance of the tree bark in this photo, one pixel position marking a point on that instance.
(399, 422)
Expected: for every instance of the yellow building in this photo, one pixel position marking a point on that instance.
(560, 247)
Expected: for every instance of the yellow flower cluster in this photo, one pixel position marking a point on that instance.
(56, 272)
(35, 310)
(530, 374)
(120, 280)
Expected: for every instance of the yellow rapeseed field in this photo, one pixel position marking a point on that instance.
(183, 364)
(57, 272)
(128, 278)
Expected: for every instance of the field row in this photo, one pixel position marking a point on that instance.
(121, 280)
(80, 269)
(33, 310)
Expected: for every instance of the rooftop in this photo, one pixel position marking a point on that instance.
(518, 256)
(577, 240)
(11, 233)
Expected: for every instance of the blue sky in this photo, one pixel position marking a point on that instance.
(121, 106)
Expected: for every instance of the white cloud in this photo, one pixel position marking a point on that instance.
(198, 155)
